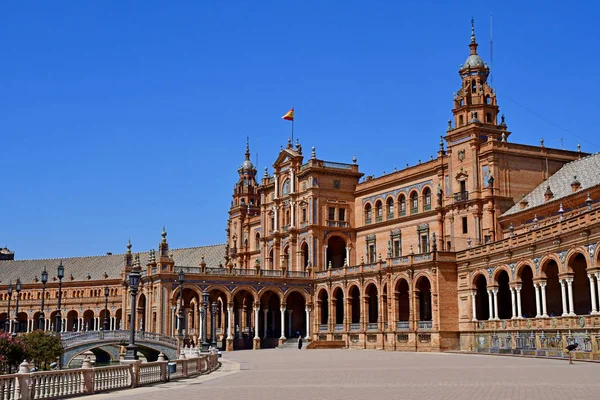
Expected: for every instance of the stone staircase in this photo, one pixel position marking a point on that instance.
(291, 344)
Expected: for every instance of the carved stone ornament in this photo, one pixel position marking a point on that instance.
(461, 155)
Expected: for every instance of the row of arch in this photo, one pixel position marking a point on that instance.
(414, 205)
(243, 314)
(556, 285)
(409, 302)
(77, 293)
(72, 321)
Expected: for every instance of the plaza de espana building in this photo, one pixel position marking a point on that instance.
(492, 246)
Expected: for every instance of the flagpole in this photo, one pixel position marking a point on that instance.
(293, 129)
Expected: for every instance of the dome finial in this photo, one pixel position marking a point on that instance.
(472, 30)
(164, 235)
(247, 148)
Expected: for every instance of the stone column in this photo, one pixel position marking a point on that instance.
(597, 274)
(256, 339)
(536, 286)
(593, 294)
(495, 291)
(490, 304)
(570, 291)
(474, 305)
(290, 323)
(282, 309)
(513, 303)
(519, 311)
(544, 308)
(307, 323)
(563, 293)
(229, 323)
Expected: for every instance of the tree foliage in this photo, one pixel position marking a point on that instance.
(12, 351)
(42, 348)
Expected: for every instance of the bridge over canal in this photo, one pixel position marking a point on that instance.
(109, 343)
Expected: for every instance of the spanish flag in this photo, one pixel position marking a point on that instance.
(289, 116)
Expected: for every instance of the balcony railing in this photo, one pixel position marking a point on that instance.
(323, 328)
(424, 324)
(427, 207)
(338, 327)
(271, 272)
(355, 327)
(244, 272)
(372, 326)
(402, 213)
(297, 274)
(402, 325)
(461, 196)
(379, 218)
(414, 210)
(390, 215)
(368, 220)
(338, 224)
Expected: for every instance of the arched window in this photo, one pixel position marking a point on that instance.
(257, 242)
(390, 208)
(286, 187)
(473, 86)
(427, 199)
(402, 204)
(368, 214)
(488, 100)
(414, 203)
(378, 211)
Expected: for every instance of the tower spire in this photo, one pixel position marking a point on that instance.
(247, 148)
(473, 44)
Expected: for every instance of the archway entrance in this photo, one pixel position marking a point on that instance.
(338, 295)
(243, 311)
(373, 309)
(482, 302)
(354, 301)
(527, 293)
(296, 315)
(504, 301)
(336, 252)
(424, 288)
(402, 301)
(270, 323)
(582, 300)
(553, 291)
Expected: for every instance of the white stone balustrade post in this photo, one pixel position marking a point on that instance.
(593, 294)
(570, 291)
(544, 307)
(474, 305)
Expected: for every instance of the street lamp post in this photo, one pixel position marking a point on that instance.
(18, 290)
(60, 275)
(205, 301)
(10, 292)
(134, 281)
(42, 320)
(181, 280)
(106, 293)
(213, 325)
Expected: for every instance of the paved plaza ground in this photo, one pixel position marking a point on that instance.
(286, 374)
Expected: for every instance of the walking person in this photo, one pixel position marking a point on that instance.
(299, 342)
(570, 349)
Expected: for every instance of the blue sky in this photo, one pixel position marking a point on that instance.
(120, 117)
